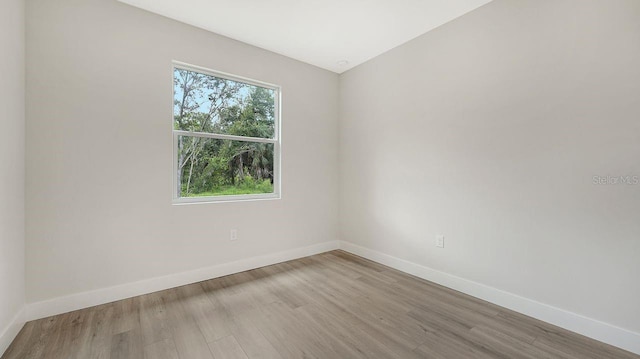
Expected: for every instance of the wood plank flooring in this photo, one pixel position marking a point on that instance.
(332, 305)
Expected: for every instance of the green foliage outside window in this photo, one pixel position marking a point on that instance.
(213, 166)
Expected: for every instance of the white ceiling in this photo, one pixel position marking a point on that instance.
(319, 32)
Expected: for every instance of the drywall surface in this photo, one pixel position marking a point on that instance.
(11, 168)
(99, 151)
(489, 130)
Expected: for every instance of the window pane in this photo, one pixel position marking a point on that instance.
(213, 167)
(205, 103)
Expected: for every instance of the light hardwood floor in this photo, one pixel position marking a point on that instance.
(332, 305)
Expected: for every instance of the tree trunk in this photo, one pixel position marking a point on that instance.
(241, 169)
(180, 165)
(189, 178)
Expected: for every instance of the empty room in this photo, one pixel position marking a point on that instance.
(446, 179)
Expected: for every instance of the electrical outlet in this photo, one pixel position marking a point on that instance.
(440, 241)
(234, 235)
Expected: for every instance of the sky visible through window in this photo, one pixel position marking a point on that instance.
(202, 97)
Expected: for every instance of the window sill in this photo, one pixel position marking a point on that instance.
(225, 199)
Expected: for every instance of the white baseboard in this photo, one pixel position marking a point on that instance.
(11, 330)
(106, 295)
(591, 328)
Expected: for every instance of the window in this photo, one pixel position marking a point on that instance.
(226, 137)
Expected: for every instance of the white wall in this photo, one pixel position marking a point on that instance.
(489, 130)
(99, 151)
(11, 168)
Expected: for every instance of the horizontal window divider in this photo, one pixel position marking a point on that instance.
(225, 137)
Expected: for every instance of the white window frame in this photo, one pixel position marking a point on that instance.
(276, 140)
